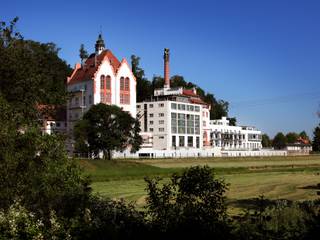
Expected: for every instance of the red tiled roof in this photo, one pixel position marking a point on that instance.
(90, 67)
(189, 92)
(302, 140)
(198, 101)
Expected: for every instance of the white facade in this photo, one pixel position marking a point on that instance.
(174, 125)
(234, 137)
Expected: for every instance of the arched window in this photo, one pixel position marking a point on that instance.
(108, 82)
(102, 82)
(122, 83)
(124, 90)
(127, 84)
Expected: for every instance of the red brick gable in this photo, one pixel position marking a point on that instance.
(91, 66)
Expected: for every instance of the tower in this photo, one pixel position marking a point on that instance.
(166, 68)
(99, 46)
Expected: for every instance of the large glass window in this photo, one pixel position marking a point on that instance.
(108, 82)
(190, 141)
(173, 122)
(190, 124)
(102, 82)
(197, 124)
(173, 105)
(181, 141)
(198, 142)
(181, 123)
(174, 144)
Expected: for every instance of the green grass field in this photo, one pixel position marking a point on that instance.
(292, 178)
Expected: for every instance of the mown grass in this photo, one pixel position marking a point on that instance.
(274, 177)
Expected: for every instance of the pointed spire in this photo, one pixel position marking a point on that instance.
(99, 44)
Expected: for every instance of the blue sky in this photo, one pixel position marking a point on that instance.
(261, 56)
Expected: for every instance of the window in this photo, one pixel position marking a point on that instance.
(197, 109)
(161, 114)
(190, 141)
(161, 121)
(77, 101)
(102, 99)
(151, 115)
(161, 105)
(161, 129)
(124, 98)
(150, 105)
(126, 84)
(198, 142)
(102, 82)
(181, 107)
(138, 106)
(90, 99)
(151, 129)
(58, 124)
(108, 82)
(84, 101)
(181, 141)
(181, 123)
(173, 122)
(108, 97)
(122, 84)
(174, 144)
(161, 137)
(151, 122)
(197, 124)
(190, 123)
(173, 105)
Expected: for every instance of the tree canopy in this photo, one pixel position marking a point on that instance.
(31, 73)
(266, 142)
(106, 128)
(316, 139)
(279, 141)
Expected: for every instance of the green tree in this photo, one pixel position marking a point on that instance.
(279, 141)
(83, 54)
(144, 88)
(304, 135)
(190, 204)
(106, 128)
(316, 139)
(292, 137)
(35, 170)
(266, 142)
(31, 73)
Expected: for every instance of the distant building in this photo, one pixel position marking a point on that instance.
(300, 147)
(53, 119)
(234, 137)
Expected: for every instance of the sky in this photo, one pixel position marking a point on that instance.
(263, 57)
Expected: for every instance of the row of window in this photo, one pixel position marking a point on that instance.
(184, 107)
(160, 122)
(185, 123)
(181, 142)
(160, 129)
(105, 83)
(160, 115)
(76, 101)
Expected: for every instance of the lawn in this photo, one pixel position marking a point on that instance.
(292, 178)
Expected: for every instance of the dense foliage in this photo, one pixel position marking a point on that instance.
(316, 139)
(105, 128)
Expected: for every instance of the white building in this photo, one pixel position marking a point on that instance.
(234, 137)
(101, 78)
(176, 119)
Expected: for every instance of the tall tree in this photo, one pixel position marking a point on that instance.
(31, 73)
(106, 128)
(292, 137)
(266, 142)
(83, 54)
(279, 141)
(316, 139)
(144, 88)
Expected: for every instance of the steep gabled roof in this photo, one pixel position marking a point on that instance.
(91, 66)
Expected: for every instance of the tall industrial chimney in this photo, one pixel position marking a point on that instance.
(166, 68)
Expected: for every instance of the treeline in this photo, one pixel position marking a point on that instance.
(281, 140)
(145, 88)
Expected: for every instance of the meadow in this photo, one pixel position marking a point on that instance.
(292, 177)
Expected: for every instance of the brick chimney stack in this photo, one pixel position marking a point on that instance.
(166, 68)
